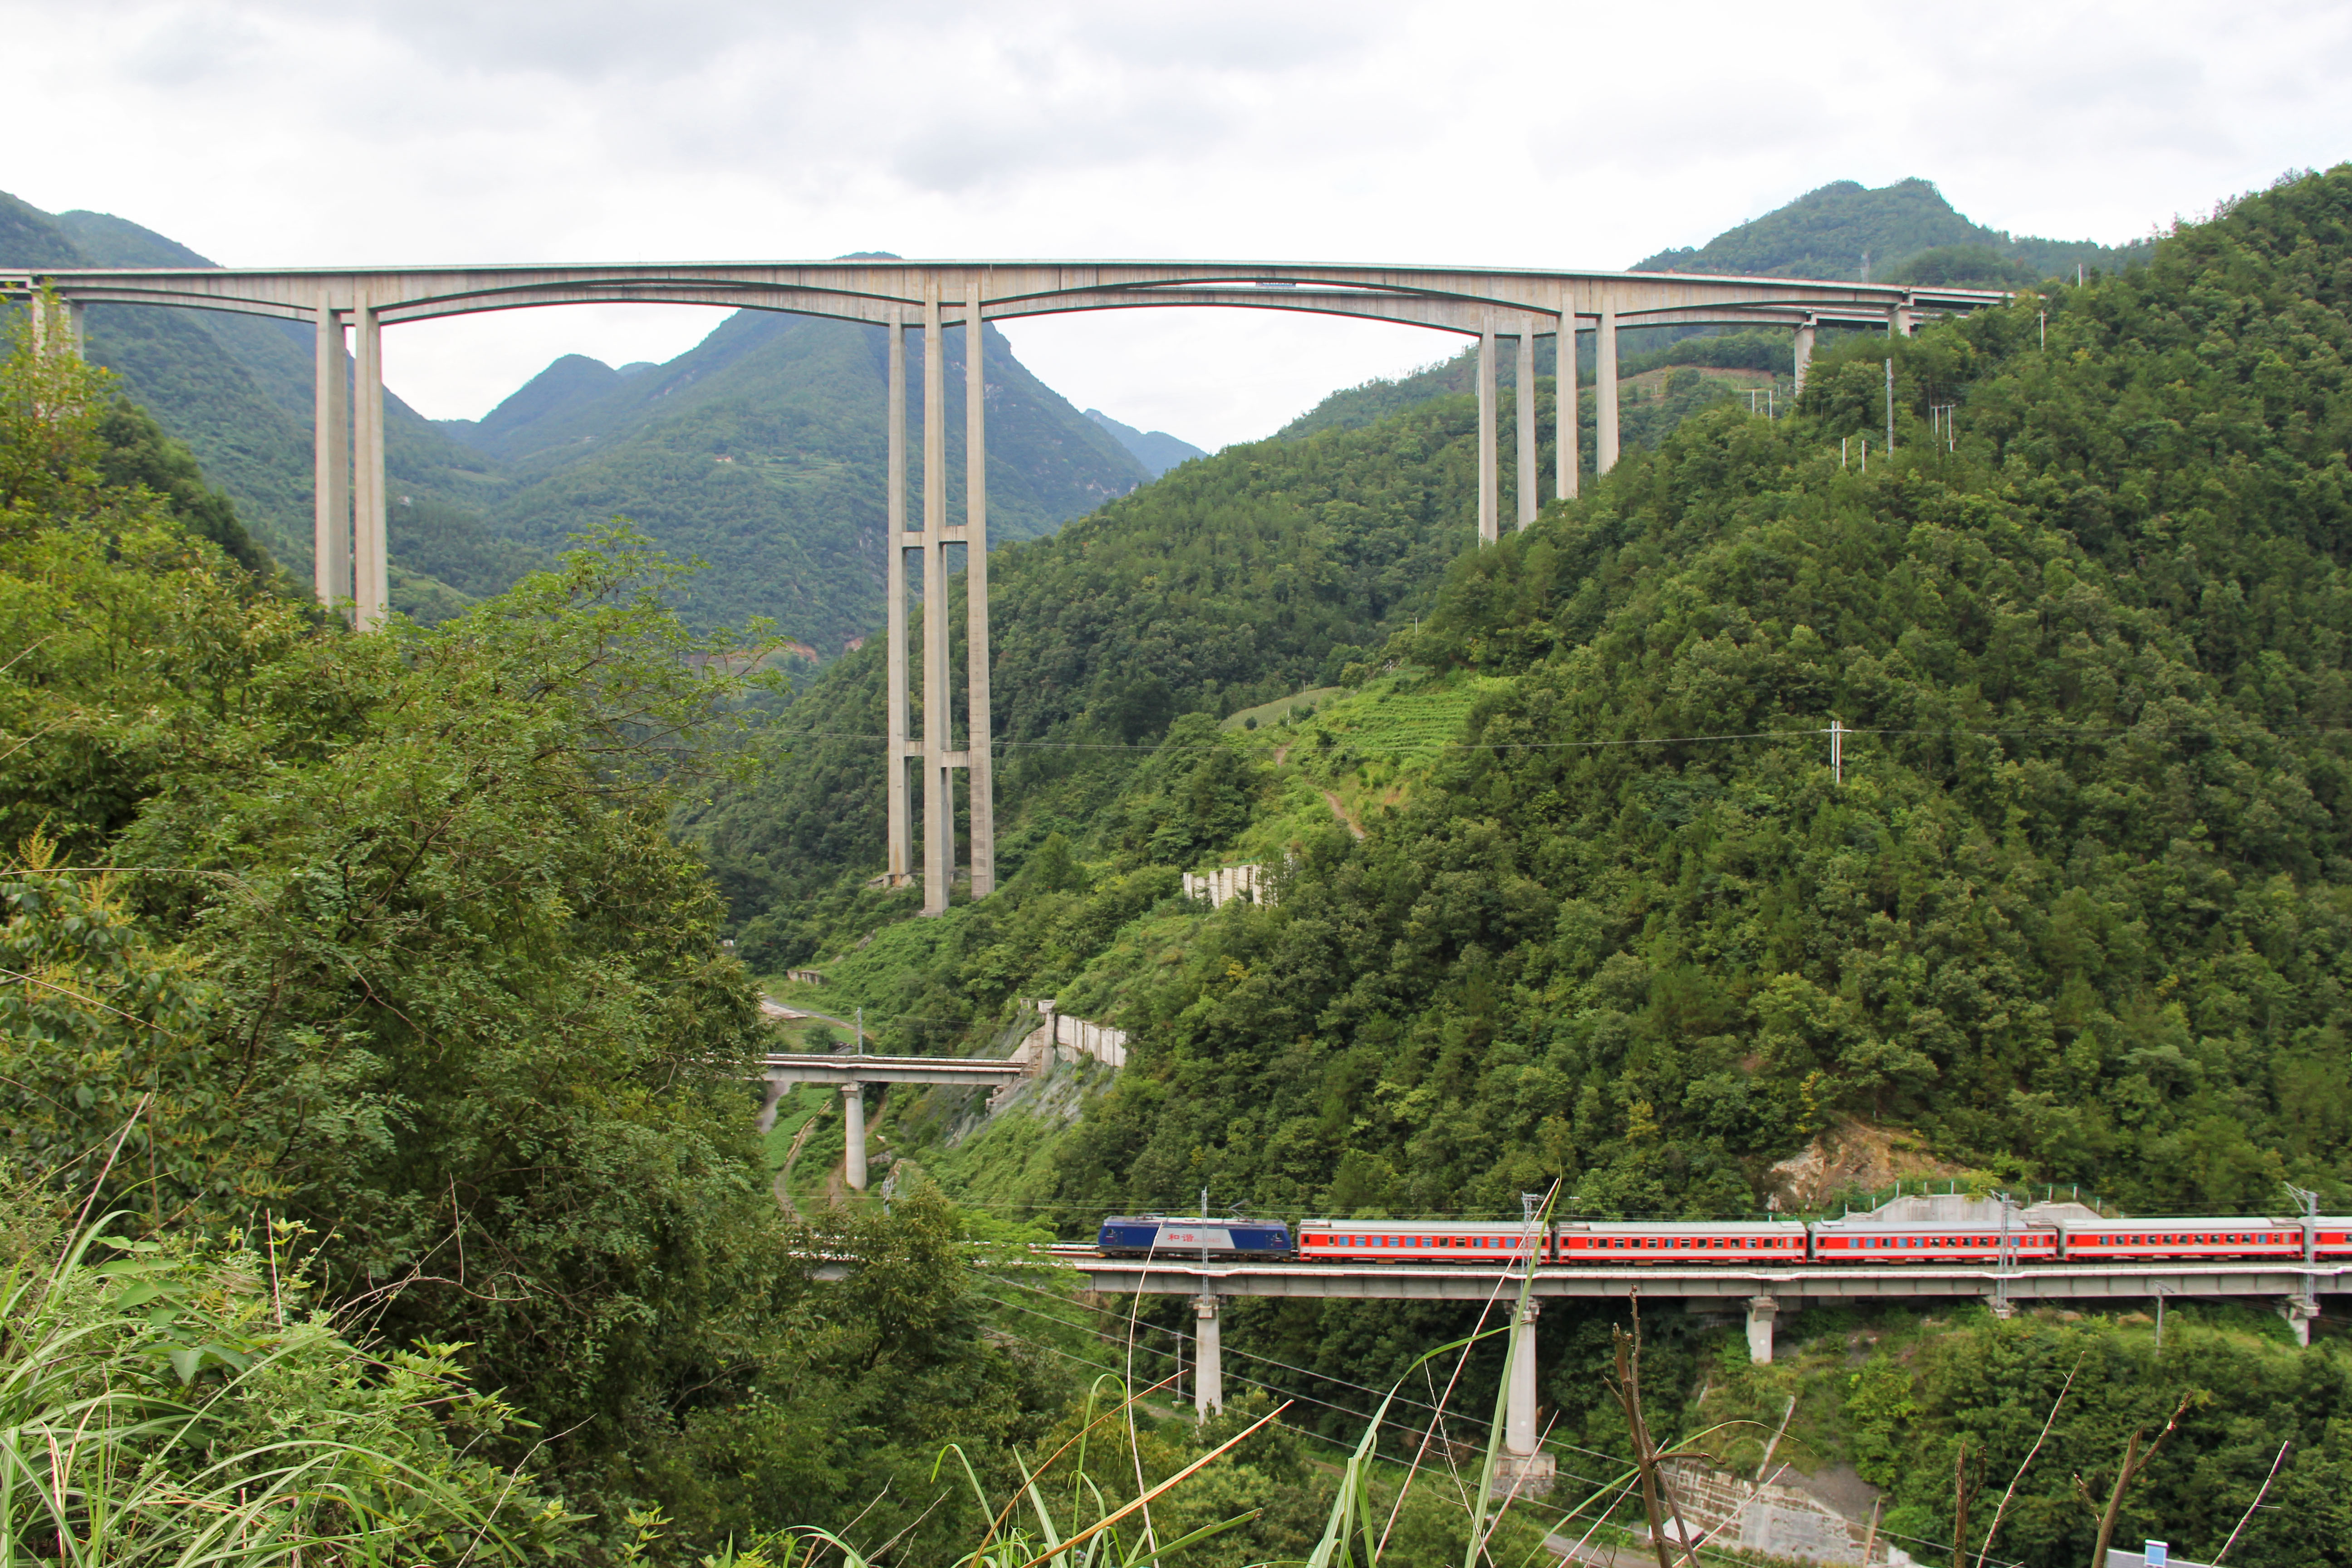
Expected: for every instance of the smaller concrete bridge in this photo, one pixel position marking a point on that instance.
(854, 1072)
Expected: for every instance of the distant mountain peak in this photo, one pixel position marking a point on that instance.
(568, 383)
(1905, 232)
(1157, 450)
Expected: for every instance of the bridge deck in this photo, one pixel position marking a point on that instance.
(985, 1070)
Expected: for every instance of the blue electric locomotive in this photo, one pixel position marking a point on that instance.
(1167, 1235)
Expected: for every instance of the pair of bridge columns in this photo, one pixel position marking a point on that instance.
(936, 755)
(350, 561)
(1565, 458)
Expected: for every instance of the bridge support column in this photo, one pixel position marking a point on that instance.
(2299, 1310)
(853, 1132)
(768, 1104)
(1761, 1311)
(1208, 1358)
(1525, 468)
(979, 777)
(901, 828)
(939, 780)
(67, 324)
(1604, 392)
(1804, 353)
(331, 441)
(1566, 459)
(1523, 1468)
(1490, 525)
(371, 554)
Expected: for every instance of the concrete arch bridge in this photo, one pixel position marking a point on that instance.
(903, 296)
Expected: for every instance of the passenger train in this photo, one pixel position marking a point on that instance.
(1855, 1239)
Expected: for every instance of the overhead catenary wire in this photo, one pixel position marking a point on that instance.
(1533, 1505)
(1230, 1350)
(2083, 733)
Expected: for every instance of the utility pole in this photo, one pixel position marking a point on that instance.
(1890, 405)
(2308, 1202)
(1837, 734)
(2006, 1258)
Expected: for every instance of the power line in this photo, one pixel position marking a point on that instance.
(2080, 733)
(1303, 1372)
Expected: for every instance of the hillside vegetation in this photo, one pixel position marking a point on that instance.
(366, 987)
(1567, 892)
(1232, 580)
(2076, 913)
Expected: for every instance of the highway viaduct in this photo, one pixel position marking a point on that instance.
(853, 1072)
(1489, 304)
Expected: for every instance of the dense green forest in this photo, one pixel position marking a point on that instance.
(2073, 912)
(1572, 894)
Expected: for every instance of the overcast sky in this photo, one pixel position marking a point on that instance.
(314, 132)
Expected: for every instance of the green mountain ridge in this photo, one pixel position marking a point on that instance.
(1906, 232)
(1234, 579)
(1157, 450)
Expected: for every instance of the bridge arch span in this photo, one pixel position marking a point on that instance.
(901, 296)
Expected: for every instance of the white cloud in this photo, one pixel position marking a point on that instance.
(1534, 133)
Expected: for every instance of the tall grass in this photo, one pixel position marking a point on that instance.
(168, 1401)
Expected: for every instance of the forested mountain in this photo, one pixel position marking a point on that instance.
(2077, 912)
(761, 451)
(1157, 450)
(1566, 891)
(758, 450)
(1906, 232)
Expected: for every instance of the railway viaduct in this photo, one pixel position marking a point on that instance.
(350, 307)
(1760, 1293)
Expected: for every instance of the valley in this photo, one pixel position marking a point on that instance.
(445, 947)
